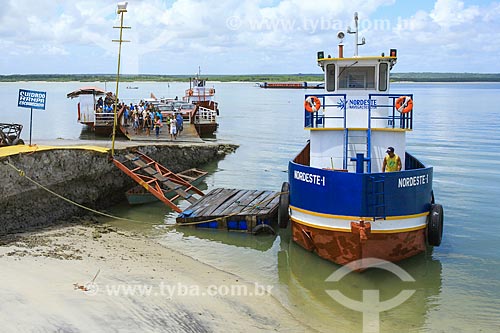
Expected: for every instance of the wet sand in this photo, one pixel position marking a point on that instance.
(93, 278)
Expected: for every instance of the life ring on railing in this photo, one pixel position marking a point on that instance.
(190, 92)
(211, 91)
(404, 104)
(312, 104)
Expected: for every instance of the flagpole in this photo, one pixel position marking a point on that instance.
(122, 8)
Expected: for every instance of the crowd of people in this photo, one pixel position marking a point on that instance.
(145, 119)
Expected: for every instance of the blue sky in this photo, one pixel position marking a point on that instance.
(244, 36)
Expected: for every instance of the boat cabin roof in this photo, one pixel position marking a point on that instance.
(387, 58)
(357, 73)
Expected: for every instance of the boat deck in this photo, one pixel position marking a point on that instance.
(189, 134)
(232, 209)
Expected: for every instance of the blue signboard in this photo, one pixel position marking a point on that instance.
(31, 99)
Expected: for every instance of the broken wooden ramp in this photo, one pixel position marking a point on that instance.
(236, 210)
(157, 179)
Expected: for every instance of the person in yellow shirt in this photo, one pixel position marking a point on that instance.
(392, 162)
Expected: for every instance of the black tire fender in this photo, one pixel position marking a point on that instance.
(283, 215)
(262, 228)
(435, 225)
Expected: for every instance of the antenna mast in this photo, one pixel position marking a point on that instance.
(356, 34)
(356, 44)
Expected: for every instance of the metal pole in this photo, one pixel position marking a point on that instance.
(117, 82)
(356, 24)
(31, 123)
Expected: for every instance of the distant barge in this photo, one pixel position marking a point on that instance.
(292, 85)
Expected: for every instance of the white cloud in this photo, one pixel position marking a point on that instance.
(448, 13)
(232, 36)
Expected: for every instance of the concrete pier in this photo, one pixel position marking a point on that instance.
(83, 175)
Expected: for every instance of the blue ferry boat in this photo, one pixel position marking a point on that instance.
(340, 202)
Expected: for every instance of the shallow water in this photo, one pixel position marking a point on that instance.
(455, 130)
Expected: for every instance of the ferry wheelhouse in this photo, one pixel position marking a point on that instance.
(341, 204)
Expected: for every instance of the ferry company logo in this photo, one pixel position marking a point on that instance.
(341, 104)
(357, 104)
(370, 306)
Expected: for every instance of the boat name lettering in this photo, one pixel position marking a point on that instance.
(362, 103)
(413, 181)
(309, 178)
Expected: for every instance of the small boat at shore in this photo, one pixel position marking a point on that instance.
(132, 87)
(139, 195)
(95, 109)
(348, 194)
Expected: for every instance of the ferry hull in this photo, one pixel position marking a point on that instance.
(344, 247)
(346, 216)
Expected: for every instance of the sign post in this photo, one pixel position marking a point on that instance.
(33, 100)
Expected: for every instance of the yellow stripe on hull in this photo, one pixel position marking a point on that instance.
(323, 222)
(345, 217)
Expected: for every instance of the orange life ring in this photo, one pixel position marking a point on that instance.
(404, 104)
(212, 91)
(190, 92)
(312, 104)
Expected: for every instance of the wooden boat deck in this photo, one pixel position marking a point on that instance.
(189, 134)
(232, 209)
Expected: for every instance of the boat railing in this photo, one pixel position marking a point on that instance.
(108, 118)
(395, 119)
(317, 119)
(104, 118)
(205, 116)
(375, 104)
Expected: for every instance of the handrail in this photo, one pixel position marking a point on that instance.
(394, 119)
(405, 119)
(205, 115)
(317, 120)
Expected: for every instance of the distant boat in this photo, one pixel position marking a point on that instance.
(207, 110)
(139, 195)
(132, 87)
(292, 85)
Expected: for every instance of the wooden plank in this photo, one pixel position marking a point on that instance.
(199, 207)
(265, 207)
(231, 204)
(249, 201)
(222, 197)
(227, 207)
(251, 209)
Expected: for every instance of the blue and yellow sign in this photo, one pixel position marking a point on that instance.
(32, 99)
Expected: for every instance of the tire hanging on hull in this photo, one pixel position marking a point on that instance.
(435, 225)
(283, 215)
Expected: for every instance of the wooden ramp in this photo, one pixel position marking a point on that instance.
(157, 179)
(231, 209)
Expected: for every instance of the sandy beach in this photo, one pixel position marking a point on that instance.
(89, 277)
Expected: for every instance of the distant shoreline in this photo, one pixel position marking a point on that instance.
(395, 77)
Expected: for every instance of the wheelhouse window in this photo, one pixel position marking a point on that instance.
(382, 78)
(362, 77)
(330, 77)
